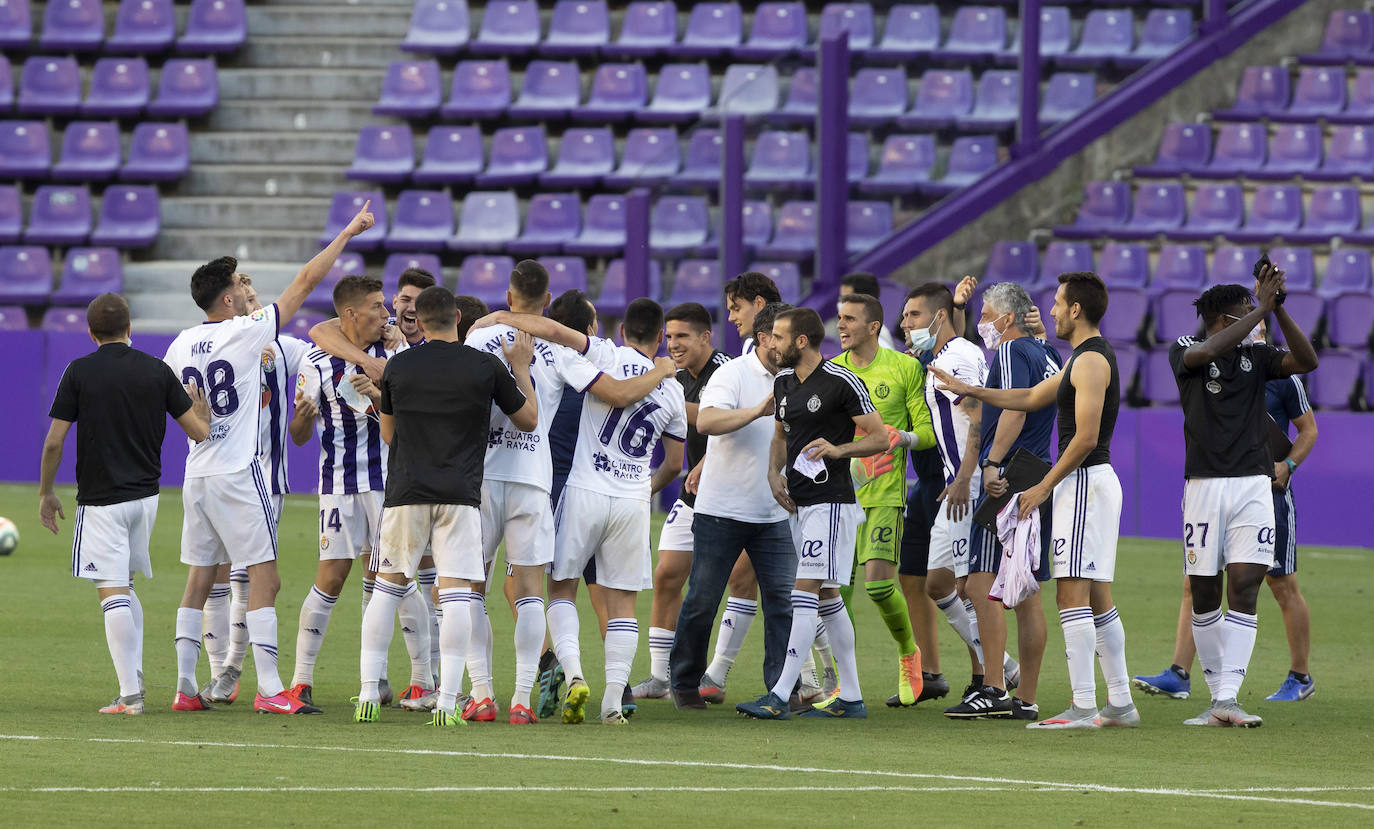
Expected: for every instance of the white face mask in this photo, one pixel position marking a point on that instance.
(991, 336)
(922, 340)
(1253, 337)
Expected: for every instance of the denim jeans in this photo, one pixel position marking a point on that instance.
(715, 548)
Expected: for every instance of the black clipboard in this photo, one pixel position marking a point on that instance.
(1279, 444)
(1022, 472)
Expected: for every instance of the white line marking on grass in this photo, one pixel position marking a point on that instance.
(1338, 556)
(447, 789)
(906, 775)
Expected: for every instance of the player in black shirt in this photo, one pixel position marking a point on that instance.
(122, 398)
(1228, 511)
(820, 406)
(1086, 516)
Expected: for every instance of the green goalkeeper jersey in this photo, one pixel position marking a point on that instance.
(896, 384)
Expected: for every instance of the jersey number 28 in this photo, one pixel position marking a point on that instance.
(220, 393)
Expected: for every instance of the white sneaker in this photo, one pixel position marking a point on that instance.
(1206, 718)
(1125, 716)
(1075, 717)
(1011, 669)
(223, 689)
(1230, 711)
(651, 688)
(425, 702)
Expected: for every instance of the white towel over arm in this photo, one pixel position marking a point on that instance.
(1020, 554)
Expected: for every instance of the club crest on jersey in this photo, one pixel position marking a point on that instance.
(1213, 371)
(814, 404)
(1214, 387)
(324, 541)
(1192, 557)
(882, 391)
(269, 361)
(1245, 363)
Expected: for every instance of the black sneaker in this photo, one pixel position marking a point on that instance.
(989, 702)
(934, 686)
(1024, 710)
(895, 701)
(628, 707)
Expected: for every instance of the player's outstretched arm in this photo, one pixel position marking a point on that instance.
(1267, 287)
(1091, 376)
(317, 268)
(671, 467)
(328, 336)
(621, 393)
(519, 353)
(49, 506)
(714, 421)
(963, 292)
(195, 421)
(1301, 357)
(536, 326)
(1033, 399)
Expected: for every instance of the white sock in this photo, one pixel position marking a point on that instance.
(215, 632)
(529, 644)
(238, 619)
(136, 611)
(379, 613)
(262, 633)
(660, 647)
(563, 629)
(841, 630)
(1238, 635)
(622, 640)
(454, 635)
(479, 648)
(314, 622)
(121, 634)
(415, 631)
(964, 623)
(734, 627)
(1209, 640)
(823, 647)
(1079, 639)
(426, 579)
(804, 612)
(808, 671)
(1111, 655)
(188, 648)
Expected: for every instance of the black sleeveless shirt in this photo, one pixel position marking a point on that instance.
(1111, 403)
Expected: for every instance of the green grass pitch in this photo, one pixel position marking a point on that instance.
(62, 763)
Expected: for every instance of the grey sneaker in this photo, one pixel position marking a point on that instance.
(425, 702)
(384, 688)
(1075, 717)
(132, 704)
(1206, 718)
(711, 690)
(463, 700)
(651, 688)
(829, 683)
(1230, 711)
(224, 688)
(1123, 716)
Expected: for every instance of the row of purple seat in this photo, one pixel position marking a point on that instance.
(1331, 386)
(1349, 38)
(91, 152)
(188, 87)
(1253, 151)
(61, 215)
(26, 275)
(1320, 92)
(586, 157)
(482, 89)
(141, 26)
(556, 222)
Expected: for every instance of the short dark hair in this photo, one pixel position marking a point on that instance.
(354, 289)
(764, 319)
(861, 282)
(873, 307)
(108, 317)
(643, 319)
(470, 310)
(573, 308)
(1088, 290)
(937, 293)
(692, 313)
(750, 285)
(1219, 299)
(529, 280)
(805, 321)
(211, 280)
(436, 308)
(416, 278)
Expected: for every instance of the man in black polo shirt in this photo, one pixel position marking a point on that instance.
(435, 410)
(122, 397)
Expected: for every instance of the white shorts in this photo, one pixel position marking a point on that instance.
(350, 525)
(614, 531)
(278, 504)
(228, 519)
(1085, 524)
(1227, 521)
(949, 539)
(824, 535)
(677, 529)
(452, 531)
(110, 543)
(520, 514)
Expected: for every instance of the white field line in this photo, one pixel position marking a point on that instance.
(1337, 556)
(1002, 782)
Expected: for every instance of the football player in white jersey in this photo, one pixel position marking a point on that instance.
(228, 513)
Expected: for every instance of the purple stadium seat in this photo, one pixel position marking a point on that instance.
(1347, 271)
(1350, 153)
(1215, 209)
(398, 263)
(25, 275)
(13, 318)
(795, 236)
(877, 96)
(1349, 36)
(585, 156)
(119, 88)
(1108, 34)
(649, 28)
(300, 324)
(87, 273)
(1275, 210)
(701, 164)
(682, 94)
(347, 264)
(6, 84)
(1106, 206)
(1159, 207)
(942, 97)
(90, 152)
(905, 161)
(757, 220)
(1294, 149)
(1264, 90)
(16, 24)
(996, 106)
(785, 275)
(1183, 148)
(748, 89)
(1164, 31)
(550, 220)
(970, 158)
(488, 221)
(697, 280)
(410, 89)
(486, 277)
(1011, 262)
(24, 149)
(11, 214)
(50, 86)
(384, 153)
(518, 156)
(780, 160)
(803, 95)
(1239, 149)
(143, 27)
(1333, 382)
(1298, 265)
(603, 227)
(678, 224)
(1350, 317)
(1331, 211)
(187, 88)
(64, 320)
(130, 217)
(214, 27)
(1066, 95)
(614, 295)
(1127, 363)
(566, 273)
(1066, 257)
(908, 30)
(1122, 265)
(481, 89)
(344, 206)
(73, 26)
(438, 27)
(59, 215)
(453, 155)
(1056, 34)
(551, 89)
(1320, 92)
(854, 18)
(1369, 384)
(779, 30)
(651, 156)
(1359, 106)
(976, 31)
(423, 221)
(712, 30)
(1157, 382)
(578, 27)
(509, 27)
(1180, 267)
(1233, 265)
(619, 90)
(856, 157)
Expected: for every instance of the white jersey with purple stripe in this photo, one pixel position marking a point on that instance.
(282, 361)
(225, 360)
(965, 361)
(352, 452)
(523, 457)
